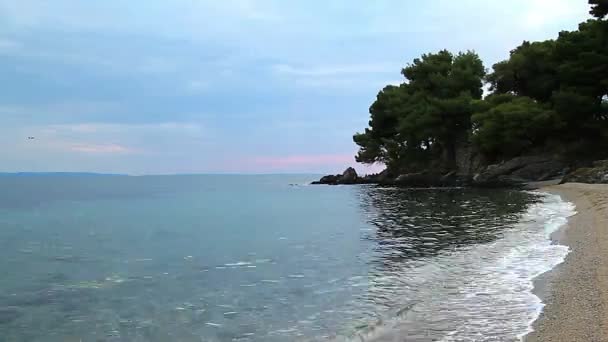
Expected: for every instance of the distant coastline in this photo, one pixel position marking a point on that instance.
(55, 174)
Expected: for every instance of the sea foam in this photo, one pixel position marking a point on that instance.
(486, 293)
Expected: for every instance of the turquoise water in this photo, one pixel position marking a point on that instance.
(255, 258)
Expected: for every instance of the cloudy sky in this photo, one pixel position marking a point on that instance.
(245, 86)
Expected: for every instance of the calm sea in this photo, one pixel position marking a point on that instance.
(268, 258)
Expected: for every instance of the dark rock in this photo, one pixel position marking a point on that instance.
(512, 166)
(384, 176)
(349, 176)
(504, 181)
(598, 174)
(369, 179)
(449, 177)
(418, 180)
(454, 178)
(541, 171)
(512, 181)
(329, 180)
(427, 179)
(511, 173)
(517, 171)
(601, 164)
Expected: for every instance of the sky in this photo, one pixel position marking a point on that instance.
(231, 86)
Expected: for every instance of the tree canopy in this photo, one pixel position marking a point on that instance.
(546, 95)
(424, 118)
(599, 8)
(506, 125)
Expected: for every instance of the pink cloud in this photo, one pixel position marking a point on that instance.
(327, 163)
(101, 148)
(304, 160)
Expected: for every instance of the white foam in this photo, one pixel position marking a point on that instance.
(554, 211)
(482, 292)
(527, 253)
(238, 263)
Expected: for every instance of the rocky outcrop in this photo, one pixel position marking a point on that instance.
(519, 171)
(516, 172)
(349, 176)
(413, 180)
(328, 180)
(427, 179)
(596, 174)
(416, 180)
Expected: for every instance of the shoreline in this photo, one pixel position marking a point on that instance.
(575, 293)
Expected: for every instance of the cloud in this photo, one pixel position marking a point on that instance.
(248, 9)
(197, 86)
(117, 16)
(303, 160)
(138, 148)
(325, 163)
(101, 148)
(540, 13)
(7, 45)
(124, 131)
(157, 65)
(61, 111)
(333, 70)
(117, 138)
(337, 77)
(193, 82)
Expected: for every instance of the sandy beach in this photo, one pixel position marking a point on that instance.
(576, 292)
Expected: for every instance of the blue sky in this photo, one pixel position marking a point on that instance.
(194, 86)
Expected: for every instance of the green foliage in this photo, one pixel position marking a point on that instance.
(568, 75)
(583, 59)
(599, 8)
(530, 71)
(547, 95)
(511, 124)
(425, 117)
(376, 143)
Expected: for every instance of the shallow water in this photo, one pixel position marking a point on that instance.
(265, 258)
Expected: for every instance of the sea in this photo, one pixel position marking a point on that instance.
(268, 258)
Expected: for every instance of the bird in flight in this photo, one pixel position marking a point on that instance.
(30, 138)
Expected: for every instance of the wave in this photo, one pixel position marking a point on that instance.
(483, 292)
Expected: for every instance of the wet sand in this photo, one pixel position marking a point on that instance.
(576, 292)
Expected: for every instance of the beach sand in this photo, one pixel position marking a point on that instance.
(576, 292)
